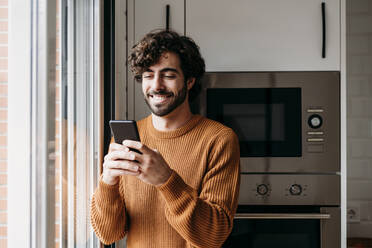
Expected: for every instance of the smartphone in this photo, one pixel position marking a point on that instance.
(124, 130)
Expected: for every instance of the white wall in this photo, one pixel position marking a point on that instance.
(359, 115)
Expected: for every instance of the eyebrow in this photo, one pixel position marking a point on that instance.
(167, 69)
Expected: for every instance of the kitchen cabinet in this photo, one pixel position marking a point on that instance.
(265, 35)
(150, 15)
(243, 35)
(143, 17)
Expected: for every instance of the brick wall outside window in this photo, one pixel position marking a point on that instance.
(3, 119)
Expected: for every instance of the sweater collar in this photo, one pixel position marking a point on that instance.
(189, 125)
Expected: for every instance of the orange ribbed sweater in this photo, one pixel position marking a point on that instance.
(194, 208)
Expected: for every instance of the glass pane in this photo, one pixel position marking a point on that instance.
(266, 120)
(249, 121)
(275, 233)
(80, 118)
(58, 126)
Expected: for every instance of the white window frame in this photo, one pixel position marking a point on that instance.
(19, 119)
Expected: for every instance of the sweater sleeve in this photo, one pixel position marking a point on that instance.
(206, 220)
(108, 215)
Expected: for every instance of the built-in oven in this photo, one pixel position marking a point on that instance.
(287, 211)
(285, 121)
(288, 125)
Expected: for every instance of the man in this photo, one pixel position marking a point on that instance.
(181, 189)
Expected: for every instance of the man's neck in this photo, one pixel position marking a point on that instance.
(176, 119)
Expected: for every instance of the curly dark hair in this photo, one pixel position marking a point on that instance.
(147, 52)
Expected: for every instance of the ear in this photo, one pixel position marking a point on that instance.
(190, 83)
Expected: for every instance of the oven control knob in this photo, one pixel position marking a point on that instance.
(315, 121)
(262, 189)
(295, 189)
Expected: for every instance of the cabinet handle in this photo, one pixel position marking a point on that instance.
(323, 31)
(167, 8)
(269, 216)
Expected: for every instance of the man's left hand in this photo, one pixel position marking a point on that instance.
(154, 170)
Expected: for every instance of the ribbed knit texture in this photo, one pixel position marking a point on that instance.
(194, 208)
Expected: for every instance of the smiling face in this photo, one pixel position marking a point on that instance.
(164, 86)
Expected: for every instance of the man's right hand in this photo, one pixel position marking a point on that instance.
(118, 162)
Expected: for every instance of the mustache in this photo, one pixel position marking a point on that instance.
(159, 92)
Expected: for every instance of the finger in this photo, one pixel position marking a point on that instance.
(120, 155)
(120, 172)
(117, 147)
(136, 145)
(121, 164)
(131, 173)
(135, 156)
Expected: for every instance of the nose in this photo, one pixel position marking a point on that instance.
(157, 82)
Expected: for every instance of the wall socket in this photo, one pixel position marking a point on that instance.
(353, 213)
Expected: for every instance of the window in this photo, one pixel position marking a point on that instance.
(55, 125)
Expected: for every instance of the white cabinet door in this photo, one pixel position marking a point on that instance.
(265, 35)
(145, 16)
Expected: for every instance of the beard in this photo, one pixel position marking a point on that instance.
(162, 109)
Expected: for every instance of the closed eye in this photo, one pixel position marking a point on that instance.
(147, 76)
(170, 76)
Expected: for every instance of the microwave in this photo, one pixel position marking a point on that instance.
(286, 122)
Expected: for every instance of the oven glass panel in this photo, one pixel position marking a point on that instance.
(275, 233)
(248, 121)
(266, 120)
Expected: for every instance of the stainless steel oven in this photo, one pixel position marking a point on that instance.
(288, 125)
(285, 121)
(287, 211)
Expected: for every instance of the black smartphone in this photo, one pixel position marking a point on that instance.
(124, 130)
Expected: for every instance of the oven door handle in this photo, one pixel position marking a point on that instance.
(281, 216)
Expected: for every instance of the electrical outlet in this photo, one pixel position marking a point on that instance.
(353, 213)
